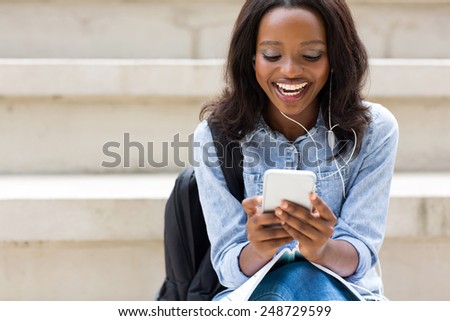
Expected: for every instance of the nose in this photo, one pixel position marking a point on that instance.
(291, 68)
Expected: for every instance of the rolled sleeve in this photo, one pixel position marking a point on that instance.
(363, 217)
(364, 257)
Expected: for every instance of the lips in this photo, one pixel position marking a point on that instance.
(291, 91)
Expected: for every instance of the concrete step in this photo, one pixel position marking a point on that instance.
(59, 234)
(130, 207)
(82, 237)
(83, 208)
(147, 29)
(72, 114)
(420, 206)
(180, 78)
(81, 271)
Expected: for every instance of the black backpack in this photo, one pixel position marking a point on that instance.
(189, 272)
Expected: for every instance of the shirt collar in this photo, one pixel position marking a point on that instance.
(261, 126)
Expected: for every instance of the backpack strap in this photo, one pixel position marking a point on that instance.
(230, 156)
(205, 284)
(189, 272)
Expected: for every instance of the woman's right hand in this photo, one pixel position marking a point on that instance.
(265, 239)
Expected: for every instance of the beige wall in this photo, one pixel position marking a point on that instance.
(196, 28)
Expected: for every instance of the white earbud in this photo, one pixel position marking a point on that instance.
(331, 139)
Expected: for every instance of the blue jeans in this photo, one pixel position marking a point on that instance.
(300, 281)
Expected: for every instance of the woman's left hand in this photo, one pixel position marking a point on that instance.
(312, 229)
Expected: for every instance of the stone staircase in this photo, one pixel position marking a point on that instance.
(85, 82)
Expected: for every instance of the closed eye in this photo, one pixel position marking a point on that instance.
(312, 58)
(271, 58)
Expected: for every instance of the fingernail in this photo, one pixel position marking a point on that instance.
(284, 205)
(278, 212)
(313, 196)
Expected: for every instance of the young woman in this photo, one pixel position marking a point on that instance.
(293, 100)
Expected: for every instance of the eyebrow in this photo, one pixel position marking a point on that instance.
(270, 43)
(313, 42)
(303, 44)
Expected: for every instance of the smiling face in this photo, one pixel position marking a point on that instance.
(291, 61)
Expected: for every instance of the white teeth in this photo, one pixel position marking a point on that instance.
(291, 90)
(292, 87)
(291, 94)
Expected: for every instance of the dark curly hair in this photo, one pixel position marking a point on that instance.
(242, 101)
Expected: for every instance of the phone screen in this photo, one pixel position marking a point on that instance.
(291, 185)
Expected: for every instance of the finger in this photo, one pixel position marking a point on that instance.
(263, 220)
(262, 233)
(322, 208)
(296, 235)
(272, 233)
(291, 222)
(270, 247)
(312, 225)
(276, 243)
(297, 211)
(251, 204)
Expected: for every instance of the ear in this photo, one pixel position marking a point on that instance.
(253, 61)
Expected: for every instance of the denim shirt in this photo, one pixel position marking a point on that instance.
(355, 188)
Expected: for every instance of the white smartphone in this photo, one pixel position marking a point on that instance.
(284, 184)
